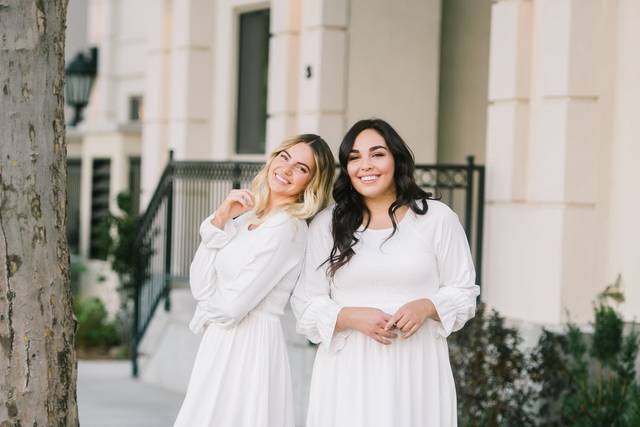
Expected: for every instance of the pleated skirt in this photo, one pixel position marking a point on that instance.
(366, 384)
(241, 377)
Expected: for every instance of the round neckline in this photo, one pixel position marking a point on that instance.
(361, 229)
(267, 220)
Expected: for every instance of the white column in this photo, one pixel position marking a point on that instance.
(542, 144)
(191, 79)
(156, 98)
(284, 71)
(322, 71)
(102, 16)
(623, 203)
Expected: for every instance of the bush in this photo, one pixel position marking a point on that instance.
(491, 373)
(94, 330)
(571, 379)
(597, 375)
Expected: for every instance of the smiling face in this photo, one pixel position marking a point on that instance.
(371, 166)
(290, 171)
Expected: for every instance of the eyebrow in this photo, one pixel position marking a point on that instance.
(299, 163)
(375, 147)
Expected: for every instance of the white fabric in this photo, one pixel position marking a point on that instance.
(356, 381)
(242, 280)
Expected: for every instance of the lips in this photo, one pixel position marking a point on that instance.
(367, 179)
(281, 179)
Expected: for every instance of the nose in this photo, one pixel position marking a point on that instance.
(364, 164)
(288, 169)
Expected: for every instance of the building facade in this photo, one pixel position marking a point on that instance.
(543, 92)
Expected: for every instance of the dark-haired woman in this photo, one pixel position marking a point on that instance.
(388, 275)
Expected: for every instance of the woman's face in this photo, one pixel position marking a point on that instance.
(291, 170)
(371, 166)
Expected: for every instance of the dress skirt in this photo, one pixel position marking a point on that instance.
(367, 384)
(241, 377)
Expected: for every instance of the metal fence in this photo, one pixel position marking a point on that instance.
(189, 191)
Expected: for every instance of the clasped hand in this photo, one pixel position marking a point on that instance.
(383, 327)
(411, 316)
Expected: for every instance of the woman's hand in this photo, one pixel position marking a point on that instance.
(369, 321)
(410, 317)
(236, 203)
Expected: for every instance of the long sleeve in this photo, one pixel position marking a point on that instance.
(202, 274)
(455, 300)
(230, 301)
(316, 312)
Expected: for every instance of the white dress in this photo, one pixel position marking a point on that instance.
(356, 381)
(242, 280)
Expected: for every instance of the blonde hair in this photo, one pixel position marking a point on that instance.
(317, 193)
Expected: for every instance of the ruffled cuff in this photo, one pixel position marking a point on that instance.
(454, 307)
(446, 313)
(212, 236)
(320, 317)
(199, 320)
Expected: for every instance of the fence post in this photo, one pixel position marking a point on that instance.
(168, 236)
(139, 279)
(480, 225)
(468, 209)
(236, 176)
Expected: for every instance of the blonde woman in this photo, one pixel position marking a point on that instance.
(242, 275)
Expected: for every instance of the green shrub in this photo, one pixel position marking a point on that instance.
(569, 379)
(491, 373)
(119, 248)
(94, 329)
(598, 375)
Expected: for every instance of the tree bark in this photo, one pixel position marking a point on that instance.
(37, 328)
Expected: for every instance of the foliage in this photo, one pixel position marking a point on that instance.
(569, 379)
(76, 268)
(117, 238)
(94, 329)
(120, 248)
(491, 373)
(598, 375)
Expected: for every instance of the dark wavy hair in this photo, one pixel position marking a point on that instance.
(349, 210)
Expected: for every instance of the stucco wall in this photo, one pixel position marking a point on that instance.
(464, 76)
(393, 63)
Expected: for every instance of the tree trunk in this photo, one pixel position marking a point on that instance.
(37, 328)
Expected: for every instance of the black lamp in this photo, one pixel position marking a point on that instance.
(79, 76)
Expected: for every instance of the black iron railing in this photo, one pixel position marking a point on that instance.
(189, 191)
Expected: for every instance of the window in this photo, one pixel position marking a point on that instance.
(251, 119)
(74, 167)
(100, 185)
(136, 110)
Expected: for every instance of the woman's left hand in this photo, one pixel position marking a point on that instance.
(410, 317)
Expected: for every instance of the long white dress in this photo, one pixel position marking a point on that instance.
(242, 280)
(356, 381)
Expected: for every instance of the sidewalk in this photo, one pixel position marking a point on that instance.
(109, 397)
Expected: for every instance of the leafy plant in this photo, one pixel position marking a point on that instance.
(94, 329)
(128, 258)
(117, 239)
(568, 379)
(491, 373)
(589, 380)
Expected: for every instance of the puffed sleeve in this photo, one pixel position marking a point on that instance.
(316, 312)
(230, 301)
(455, 300)
(202, 274)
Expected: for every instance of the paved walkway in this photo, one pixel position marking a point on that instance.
(109, 397)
